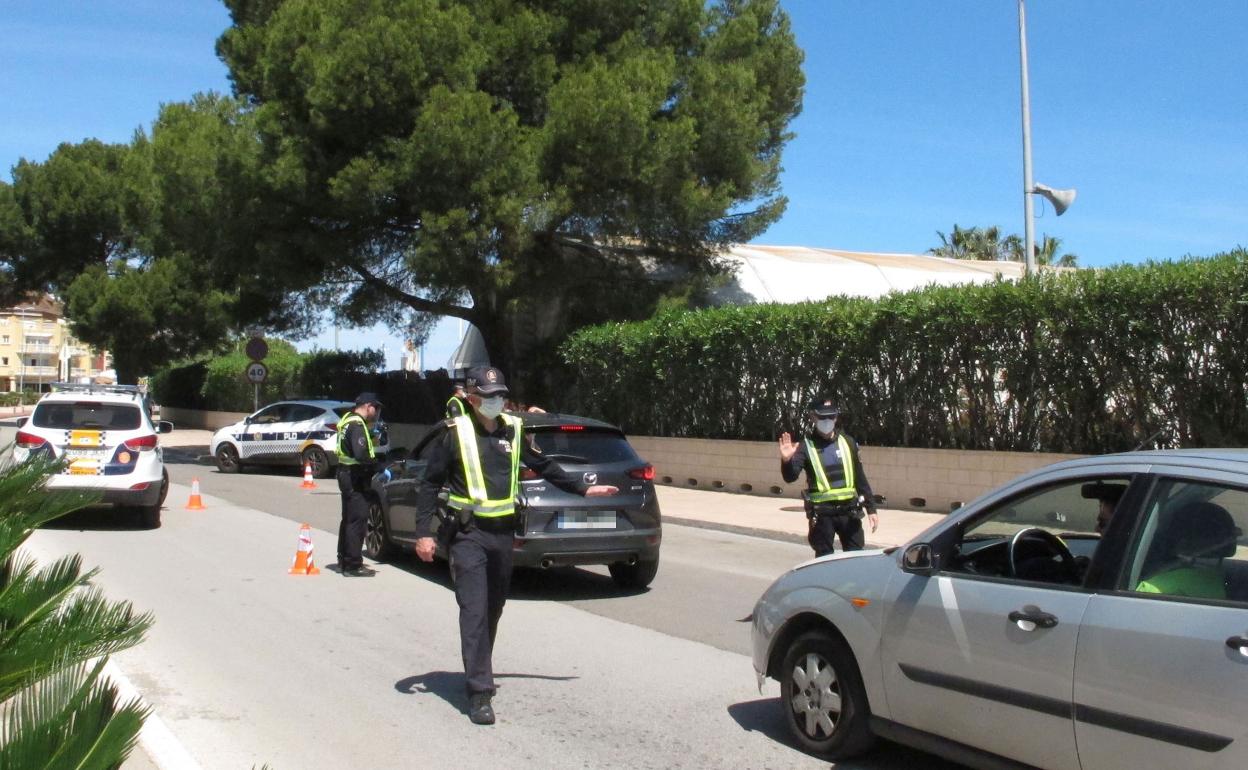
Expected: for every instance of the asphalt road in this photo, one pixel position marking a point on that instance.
(248, 665)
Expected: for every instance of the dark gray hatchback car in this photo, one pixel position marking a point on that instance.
(555, 528)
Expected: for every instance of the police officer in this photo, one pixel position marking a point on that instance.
(836, 487)
(456, 405)
(357, 458)
(478, 460)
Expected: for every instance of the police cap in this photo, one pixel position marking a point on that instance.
(824, 407)
(368, 398)
(486, 380)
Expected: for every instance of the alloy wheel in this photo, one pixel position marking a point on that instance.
(815, 696)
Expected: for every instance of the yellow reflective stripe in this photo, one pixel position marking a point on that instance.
(824, 491)
(470, 458)
(346, 458)
(474, 478)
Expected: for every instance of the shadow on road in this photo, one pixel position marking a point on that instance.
(764, 716)
(100, 518)
(449, 685)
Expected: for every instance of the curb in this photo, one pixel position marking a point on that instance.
(767, 534)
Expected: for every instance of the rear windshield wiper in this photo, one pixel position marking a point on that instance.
(569, 458)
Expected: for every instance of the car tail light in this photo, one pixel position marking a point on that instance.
(645, 473)
(142, 443)
(331, 426)
(571, 427)
(29, 440)
(140, 486)
(527, 474)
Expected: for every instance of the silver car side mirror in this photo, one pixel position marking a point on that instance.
(919, 559)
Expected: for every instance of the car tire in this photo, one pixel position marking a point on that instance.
(377, 543)
(227, 459)
(821, 694)
(319, 460)
(149, 515)
(637, 575)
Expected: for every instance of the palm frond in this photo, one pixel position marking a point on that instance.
(71, 719)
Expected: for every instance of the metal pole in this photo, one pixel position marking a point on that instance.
(1029, 235)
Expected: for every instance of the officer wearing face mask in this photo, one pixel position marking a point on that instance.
(837, 491)
(478, 461)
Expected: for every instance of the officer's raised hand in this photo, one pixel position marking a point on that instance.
(787, 447)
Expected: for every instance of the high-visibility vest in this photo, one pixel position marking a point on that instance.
(824, 491)
(345, 457)
(455, 407)
(478, 500)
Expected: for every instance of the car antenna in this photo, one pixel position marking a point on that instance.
(1148, 440)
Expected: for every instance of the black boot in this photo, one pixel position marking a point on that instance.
(479, 709)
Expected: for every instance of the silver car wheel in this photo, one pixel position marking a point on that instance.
(374, 539)
(816, 697)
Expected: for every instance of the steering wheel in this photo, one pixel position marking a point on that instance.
(1052, 541)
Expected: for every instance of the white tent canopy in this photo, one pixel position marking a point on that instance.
(470, 353)
(797, 274)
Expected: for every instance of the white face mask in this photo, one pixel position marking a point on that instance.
(491, 407)
(826, 426)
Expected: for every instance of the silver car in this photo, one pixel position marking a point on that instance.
(1091, 614)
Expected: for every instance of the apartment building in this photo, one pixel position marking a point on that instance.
(36, 349)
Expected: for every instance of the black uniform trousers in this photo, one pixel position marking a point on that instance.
(481, 564)
(352, 483)
(824, 527)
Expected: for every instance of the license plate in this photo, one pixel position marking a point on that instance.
(84, 468)
(80, 438)
(585, 520)
(86, 454)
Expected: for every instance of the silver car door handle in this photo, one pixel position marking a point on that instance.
(1031, 618)
(1238, 643)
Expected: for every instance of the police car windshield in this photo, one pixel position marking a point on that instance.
(588, 446)
(86, 415)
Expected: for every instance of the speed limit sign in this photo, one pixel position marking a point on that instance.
(257, 372)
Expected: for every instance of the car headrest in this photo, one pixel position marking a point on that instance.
(1204, 530)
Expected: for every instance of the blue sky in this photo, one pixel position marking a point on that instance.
(911, 118)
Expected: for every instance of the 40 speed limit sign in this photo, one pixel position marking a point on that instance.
(257, 372)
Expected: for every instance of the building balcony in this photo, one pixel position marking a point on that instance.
(32, 372)
(39, 348)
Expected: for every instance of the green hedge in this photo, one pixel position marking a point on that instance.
(1088, 361)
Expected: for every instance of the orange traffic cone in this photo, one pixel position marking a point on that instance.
(302, 564)
(195, 503)
(308, 483)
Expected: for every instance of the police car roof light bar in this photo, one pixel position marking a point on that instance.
(87, 387)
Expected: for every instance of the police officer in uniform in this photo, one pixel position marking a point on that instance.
(357, 461)
(456, 405)
(836, 487)
(478, 460)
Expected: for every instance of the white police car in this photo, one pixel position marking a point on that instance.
(108, 440)
(302, 433)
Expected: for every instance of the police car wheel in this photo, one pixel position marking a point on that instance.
(318, 460)
(227, 459)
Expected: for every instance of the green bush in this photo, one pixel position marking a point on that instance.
(220, 383)
(1086, 361)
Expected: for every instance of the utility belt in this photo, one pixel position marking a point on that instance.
(463, 519)
(845, 508)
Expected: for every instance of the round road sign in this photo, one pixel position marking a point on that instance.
(257, 372)
(257, 349)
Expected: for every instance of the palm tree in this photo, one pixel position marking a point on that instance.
(56, 709)
(980, 243)
(1047, 253)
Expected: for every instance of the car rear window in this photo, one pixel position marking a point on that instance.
(86, 415)
(583, 446)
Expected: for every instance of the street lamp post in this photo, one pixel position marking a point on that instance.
(1029, 234)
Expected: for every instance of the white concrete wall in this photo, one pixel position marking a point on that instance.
(937, 477)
